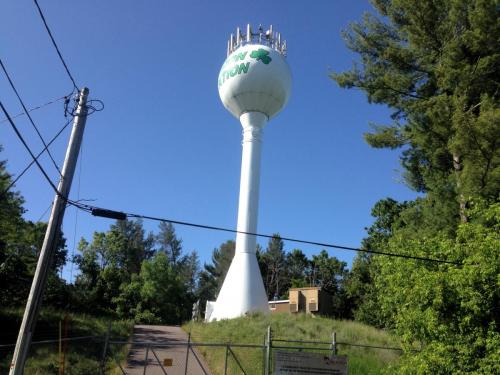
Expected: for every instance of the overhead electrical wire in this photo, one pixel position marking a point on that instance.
(37, 156)
(16, 130)
(55, 45)
(44, 213)
(119, 215)
(28, 114)
(35, 159)
(35, 108)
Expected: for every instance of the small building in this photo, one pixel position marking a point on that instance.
(310, 300)
(279, 306)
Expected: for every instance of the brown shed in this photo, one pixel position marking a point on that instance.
(311, 300)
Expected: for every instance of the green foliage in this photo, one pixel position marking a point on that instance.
(214, 273)
(20, 244)
(82, 357)
(329, 273)
(272, 264)
(162, 292)
(122, 274)
(297, 266)
(452, 311)
(168, 242)
(436, 63)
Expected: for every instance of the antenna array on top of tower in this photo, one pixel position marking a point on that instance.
(269, 38)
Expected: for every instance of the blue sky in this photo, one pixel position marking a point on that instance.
(165, 146)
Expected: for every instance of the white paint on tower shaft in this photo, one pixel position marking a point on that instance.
(248, 208)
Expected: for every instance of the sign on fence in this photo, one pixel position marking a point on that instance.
(300, 363)
(167, 362)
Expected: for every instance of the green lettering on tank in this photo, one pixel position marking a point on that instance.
(243, 68)
(235, 57)
(235, 70)
(240, 56)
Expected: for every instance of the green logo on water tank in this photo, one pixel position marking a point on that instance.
(262, 55)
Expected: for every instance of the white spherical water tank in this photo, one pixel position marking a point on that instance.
(254, 85)
(255, 78)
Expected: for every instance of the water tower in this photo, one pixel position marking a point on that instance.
(254, 85)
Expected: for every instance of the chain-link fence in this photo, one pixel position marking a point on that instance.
(107, 355)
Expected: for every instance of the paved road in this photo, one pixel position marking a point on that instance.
(160, 334)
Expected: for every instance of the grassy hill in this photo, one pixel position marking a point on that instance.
(81, 357)
(252, 329)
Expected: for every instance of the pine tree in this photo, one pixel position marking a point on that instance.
(168, 242)
(275, 279)
(436, 63)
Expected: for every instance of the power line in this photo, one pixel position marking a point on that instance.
(34, 108)
(28, 114)
(96, 211)
(16, 130)
(44, 212)
(37, 156)
(55, 45)
(315, 243)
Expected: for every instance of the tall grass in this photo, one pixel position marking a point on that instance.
(252, 329)
(80, 357)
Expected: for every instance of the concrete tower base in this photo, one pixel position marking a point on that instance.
(242, 291)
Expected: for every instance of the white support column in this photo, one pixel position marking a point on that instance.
(248, 208)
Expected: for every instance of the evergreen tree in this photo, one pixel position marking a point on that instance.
(213, 274)
(329, 273)
(168, 243)
(275, 276)
(297, 266)
(128, 244)
(436, 63)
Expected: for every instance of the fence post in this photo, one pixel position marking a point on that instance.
(264, 355)
(187, 353)
(60, 348)
(268, 350)
(105, 349)
(225, 360)
(146, 360)
(334, 343)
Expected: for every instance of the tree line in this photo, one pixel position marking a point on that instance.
(127, 273)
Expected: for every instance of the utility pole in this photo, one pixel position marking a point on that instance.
(49, 243)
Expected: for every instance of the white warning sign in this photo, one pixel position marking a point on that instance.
(300, 363)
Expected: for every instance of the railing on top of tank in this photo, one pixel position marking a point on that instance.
(269, 38)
